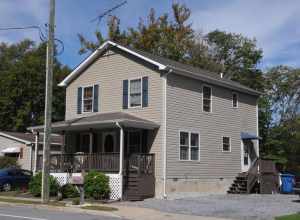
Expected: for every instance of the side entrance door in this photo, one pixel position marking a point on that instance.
(245, 157)
(248, 154)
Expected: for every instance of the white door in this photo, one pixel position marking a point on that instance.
(245, 156)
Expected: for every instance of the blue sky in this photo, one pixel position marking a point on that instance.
(274, 23)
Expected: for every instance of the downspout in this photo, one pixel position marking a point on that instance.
(121, 157)
(257, 130)
(165, 133)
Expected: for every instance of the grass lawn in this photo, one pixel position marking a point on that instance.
(23, 201)
(99, 208)
(289, 217)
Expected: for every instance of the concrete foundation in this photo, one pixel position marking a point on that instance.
(199, 186)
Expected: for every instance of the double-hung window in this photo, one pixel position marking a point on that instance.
(234, 100)
(87, 99)
(135, 93)
(206, 92)
(226, 144)
(189, 146)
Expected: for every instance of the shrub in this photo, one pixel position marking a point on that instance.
(6, 162)
(35, 185)
(96, 185)
(69, 191)
(76, 201)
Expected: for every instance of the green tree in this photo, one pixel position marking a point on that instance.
(239, 56)
(282, 91)
(22, 90)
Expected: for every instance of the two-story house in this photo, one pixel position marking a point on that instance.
(155, 126)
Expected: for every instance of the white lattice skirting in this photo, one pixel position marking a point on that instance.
(114, 183)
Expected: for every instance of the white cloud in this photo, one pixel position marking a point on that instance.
(272, 22)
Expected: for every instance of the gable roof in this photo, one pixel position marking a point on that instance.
(29, 138)
(163, 64)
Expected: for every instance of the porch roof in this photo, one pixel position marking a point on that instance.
(103, 120)
(249, 136)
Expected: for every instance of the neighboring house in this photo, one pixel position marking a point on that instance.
(178, 128)
(22, 146)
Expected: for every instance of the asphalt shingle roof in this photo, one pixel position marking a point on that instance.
(29, 137)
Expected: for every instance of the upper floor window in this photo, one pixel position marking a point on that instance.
(87, 99)
(206, 91)
(189, 146)
(226, 144)
(234, 100)
(135, 93)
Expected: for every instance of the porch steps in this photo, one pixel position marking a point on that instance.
(239, 185)
(133, 193)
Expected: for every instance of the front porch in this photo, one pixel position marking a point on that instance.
(118, 146)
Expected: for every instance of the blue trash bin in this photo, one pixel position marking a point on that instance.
(288, 182)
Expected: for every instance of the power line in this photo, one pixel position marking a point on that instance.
(42, 36)
(107, 12)
(40, 31)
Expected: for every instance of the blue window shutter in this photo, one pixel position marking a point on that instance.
(145, 91)
(79, 100)
(125, 94)
(96, 98)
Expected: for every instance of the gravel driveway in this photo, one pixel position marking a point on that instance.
(242, 207)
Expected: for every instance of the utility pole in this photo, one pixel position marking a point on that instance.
(48, 105)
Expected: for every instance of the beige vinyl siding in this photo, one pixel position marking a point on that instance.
(184, 113)
(7, 142)
(109, 71)
(25, 161)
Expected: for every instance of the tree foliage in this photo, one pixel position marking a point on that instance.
(283, 90)
(172, 36)
(22, 91)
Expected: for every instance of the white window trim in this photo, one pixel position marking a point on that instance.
(82, 98)
(237, 100)
(189, 145)
(129, 103)
(226, 151)
(211, 98)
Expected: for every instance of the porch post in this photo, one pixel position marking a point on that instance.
(36, 152)
(121, 158)
(63, 146)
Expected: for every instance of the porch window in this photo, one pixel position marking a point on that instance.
(134, 141)
(189, 146)
(206, 102)
(234, 100)
(87, 99)
(135, 93)
(226, 144)
(84, 143)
